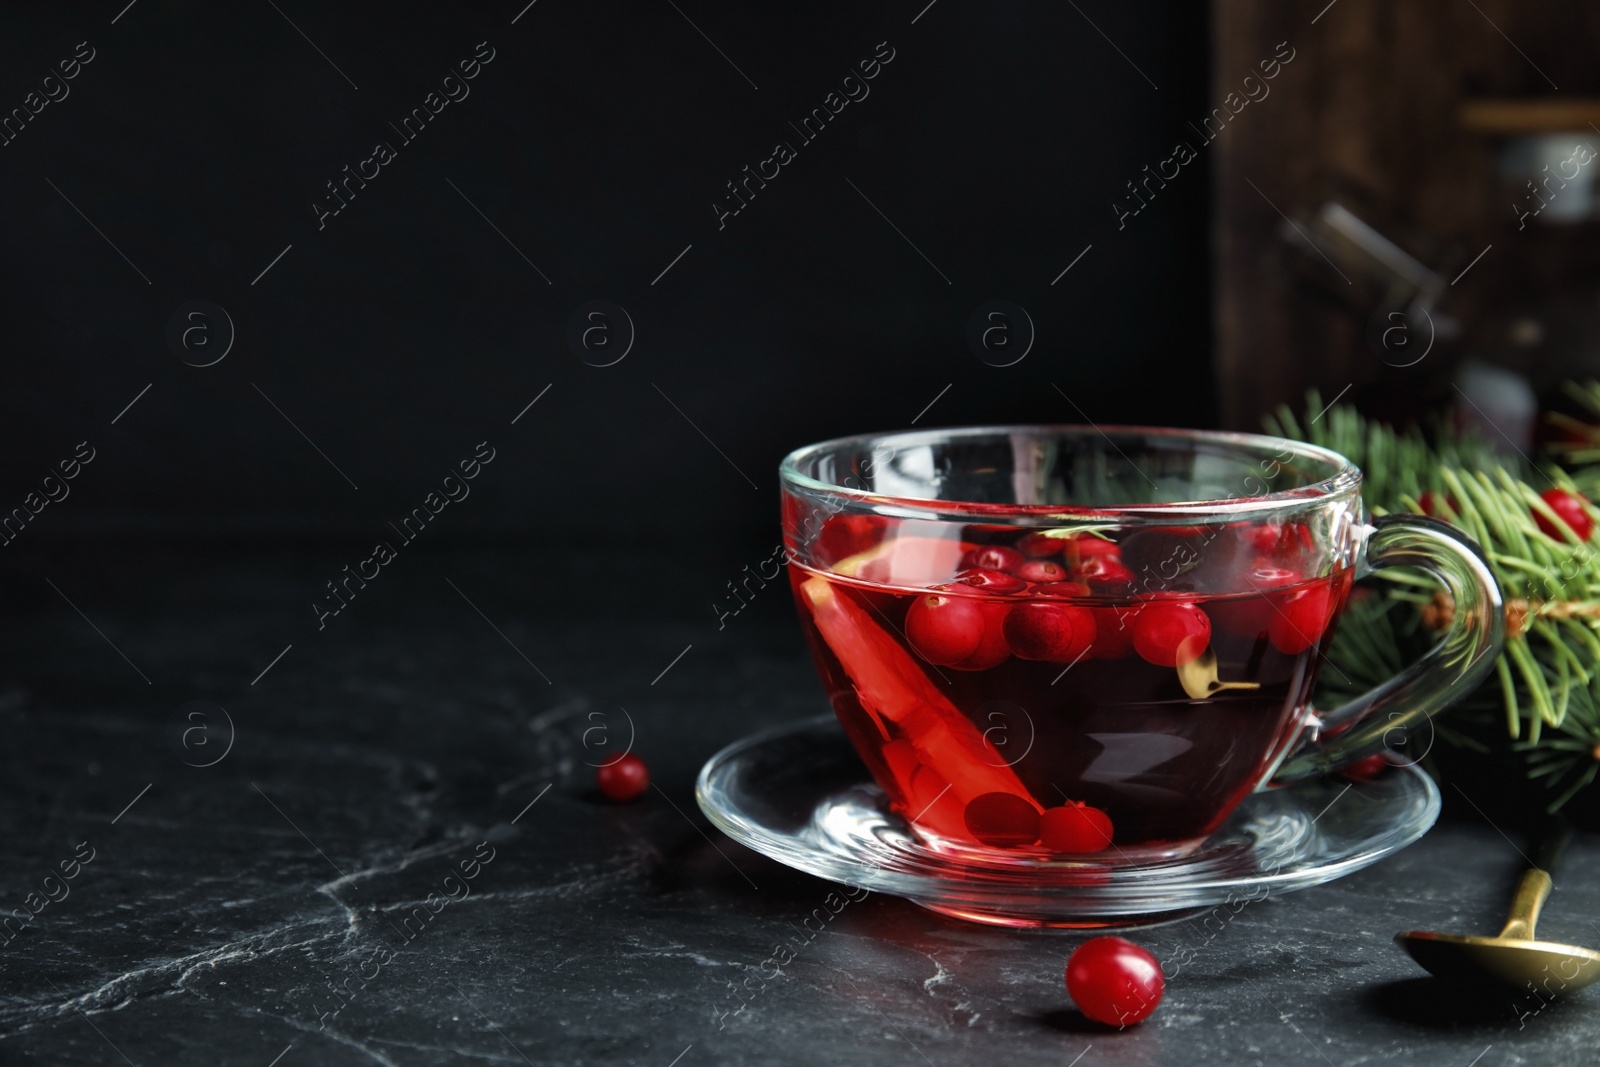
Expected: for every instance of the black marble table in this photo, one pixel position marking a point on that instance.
(405, 813)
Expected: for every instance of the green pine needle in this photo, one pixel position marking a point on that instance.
(1548, 684)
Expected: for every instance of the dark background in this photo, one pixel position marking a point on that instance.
(451, 701)
(408, 329)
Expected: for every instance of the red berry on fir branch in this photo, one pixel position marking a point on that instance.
(1438, 506)
(1114, 981)
(1365, 770)
(1570, 507)
(623, 778)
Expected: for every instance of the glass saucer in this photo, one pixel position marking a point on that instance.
(801, 795)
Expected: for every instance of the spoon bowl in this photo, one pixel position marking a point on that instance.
(1514, 958)
(1463, 958)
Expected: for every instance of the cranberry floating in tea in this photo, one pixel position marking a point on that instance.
(1057, 643)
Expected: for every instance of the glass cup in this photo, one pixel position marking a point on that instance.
(1065, 642)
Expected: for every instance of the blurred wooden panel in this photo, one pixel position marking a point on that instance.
(1369, 110)
(1551, 114)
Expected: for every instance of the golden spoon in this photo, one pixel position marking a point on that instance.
(1513, 958)
(1199, 676)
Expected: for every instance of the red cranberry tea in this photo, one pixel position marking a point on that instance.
(1067, 692)
(1094, 642)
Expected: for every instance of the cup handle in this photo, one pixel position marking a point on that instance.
(1451, 669)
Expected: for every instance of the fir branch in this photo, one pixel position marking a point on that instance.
(1547, 678)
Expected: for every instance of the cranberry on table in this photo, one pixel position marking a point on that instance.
(1003, 820)
(991, 581)
(1114, 981)
(1570, 507)
(1171, 632)
(1075, 828)
(623, 778)
(944, 629)
(1041, 571)
(1045, 630)
(992, 558)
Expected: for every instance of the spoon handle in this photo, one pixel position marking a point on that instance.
(1530, 897)
(1537, 882)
